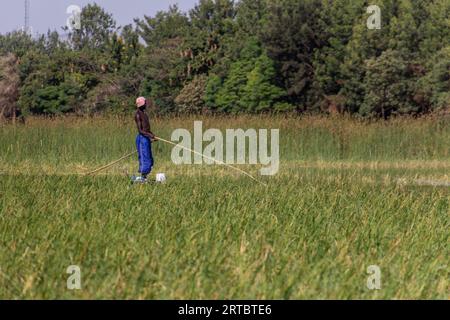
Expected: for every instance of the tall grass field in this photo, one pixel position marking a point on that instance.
(348, 195)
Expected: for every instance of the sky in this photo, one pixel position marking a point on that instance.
(51, 14)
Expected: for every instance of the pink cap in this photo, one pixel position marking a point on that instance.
(140, 102)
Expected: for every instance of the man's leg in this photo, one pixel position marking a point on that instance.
(152, 161)
(145, 156)
(138, 148)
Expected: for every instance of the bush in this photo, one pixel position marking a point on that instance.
(389, 88)
(259, 94)
(191, 97)
(9, 86)
(213, 85)
(436, 83)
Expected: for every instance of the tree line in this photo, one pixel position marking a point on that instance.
(248, 56)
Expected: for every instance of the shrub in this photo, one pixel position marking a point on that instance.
(191, 97)
(9, 86)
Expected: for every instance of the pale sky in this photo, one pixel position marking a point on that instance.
(51, 14)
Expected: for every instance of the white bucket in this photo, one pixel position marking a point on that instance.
(160, 177)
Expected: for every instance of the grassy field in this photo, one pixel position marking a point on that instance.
(348, 195)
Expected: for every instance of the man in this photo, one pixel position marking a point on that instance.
(144, 140)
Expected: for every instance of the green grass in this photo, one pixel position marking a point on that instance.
(335, 208)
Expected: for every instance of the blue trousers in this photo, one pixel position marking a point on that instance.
(144, 149)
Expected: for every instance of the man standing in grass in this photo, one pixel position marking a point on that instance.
(144, 140)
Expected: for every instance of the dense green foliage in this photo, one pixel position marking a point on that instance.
(244, 56)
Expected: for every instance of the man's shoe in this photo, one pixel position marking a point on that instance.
(138, 179)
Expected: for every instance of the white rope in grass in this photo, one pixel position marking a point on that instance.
(182, 147)
(215, 160)
(111, 164)
(424, 183)
(432, 183)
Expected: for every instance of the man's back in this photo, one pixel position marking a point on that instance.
(142, 121)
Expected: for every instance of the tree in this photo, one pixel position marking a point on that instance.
(9, 87)
(96, 28)
(389, 87)
(191, 97)
(249, 16)
(17, 43)
(213, 85)
(162, 73)
(403, 30)
(291, 33)
(244, 27)
(165, 25)
(132, 47)
(259, 94)
(248, 86)
(364, 44)
(433, 26)
(338, 18)
(116, 51)
(57, 83)
(243, 56)
(212, 25)
(436, 83)
(52, 42)
(228, 98)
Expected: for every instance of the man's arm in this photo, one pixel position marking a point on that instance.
(154, 138)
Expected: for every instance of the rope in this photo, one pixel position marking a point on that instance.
(216, 161)
(111, 164)
(182, 147)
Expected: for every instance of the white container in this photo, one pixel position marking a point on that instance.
(160, 177)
